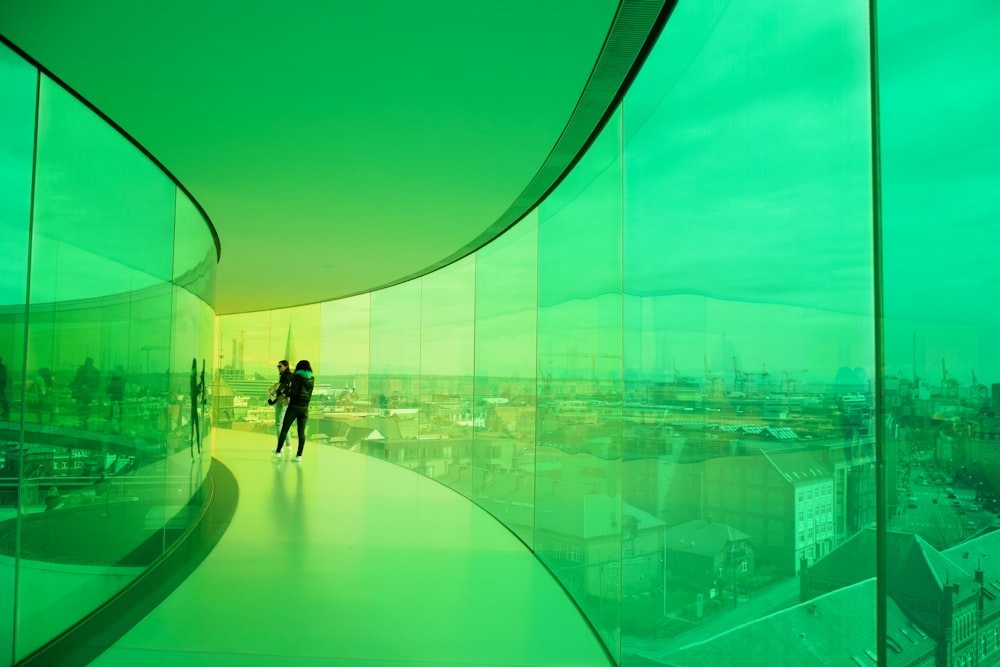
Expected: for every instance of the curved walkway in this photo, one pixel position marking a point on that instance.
(350, 561)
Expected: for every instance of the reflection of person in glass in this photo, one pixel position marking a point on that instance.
(116, 396)
(83, 387)
(4, 405)
(277, 394)
(299, 395)
(196, 389)
(42, 395)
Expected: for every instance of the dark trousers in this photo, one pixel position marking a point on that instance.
(298, 415)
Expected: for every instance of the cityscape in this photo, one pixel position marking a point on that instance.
(747, 501)
(685, 515)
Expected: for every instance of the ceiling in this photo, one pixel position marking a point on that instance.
(337, 147)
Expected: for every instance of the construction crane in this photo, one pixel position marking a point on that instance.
(789, 384)
(949, 385)
(979, 391)
(765, 378)
(739, 379)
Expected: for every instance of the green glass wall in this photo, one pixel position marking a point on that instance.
(394, 376)
(748, 318)
(19, 83)
(503, 432)
(107, 291)
(445, 417)
(578, 502)
(681, 377)
(344, 346)
(940, 212)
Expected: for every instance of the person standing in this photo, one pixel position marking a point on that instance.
(277, 394)
(43, 396)
(116, 398)
(196, 390)
(83, 388)
(299, 395)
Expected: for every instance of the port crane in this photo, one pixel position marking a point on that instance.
(949, 385)
(979, 391)
(739, 378)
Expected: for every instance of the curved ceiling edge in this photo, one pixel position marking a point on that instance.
(117, 128)
(634, 31)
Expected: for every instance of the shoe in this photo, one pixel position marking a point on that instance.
(276, 455)
(298, 459)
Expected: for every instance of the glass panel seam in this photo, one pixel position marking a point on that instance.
(24, 366)
(881, 497)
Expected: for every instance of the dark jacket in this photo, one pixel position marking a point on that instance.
(280, 390)
(284, 383)
(300, 393)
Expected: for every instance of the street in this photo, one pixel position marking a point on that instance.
(940, 520)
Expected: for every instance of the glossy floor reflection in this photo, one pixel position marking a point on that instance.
(345, 560)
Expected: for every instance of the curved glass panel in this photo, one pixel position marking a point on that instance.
(445, 418)
(92, 328)
(194, 251)
(18, 85)
(86, 289)
(394, 376)
(579, 530)
(504, 406)
(344, 347)
(940, 207)
(749, 351)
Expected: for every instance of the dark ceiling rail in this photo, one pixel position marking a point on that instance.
(34, 63)
(633, 33)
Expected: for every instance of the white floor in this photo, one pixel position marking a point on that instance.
(348, 561)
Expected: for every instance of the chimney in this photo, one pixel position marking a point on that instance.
(980, 599)
(947, 617)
